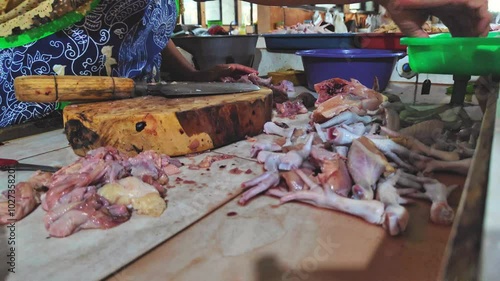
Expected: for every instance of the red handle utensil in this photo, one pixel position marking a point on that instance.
(7, 164)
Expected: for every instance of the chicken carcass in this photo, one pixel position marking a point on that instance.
(93, 212)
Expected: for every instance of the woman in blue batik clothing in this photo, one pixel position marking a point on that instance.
(122, 38)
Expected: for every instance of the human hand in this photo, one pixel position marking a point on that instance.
(464, 18)
(217, 72)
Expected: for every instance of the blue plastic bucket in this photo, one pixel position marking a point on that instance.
(361, 64)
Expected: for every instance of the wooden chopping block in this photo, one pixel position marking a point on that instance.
(171, 126)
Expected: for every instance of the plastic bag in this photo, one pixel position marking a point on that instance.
(339, 23)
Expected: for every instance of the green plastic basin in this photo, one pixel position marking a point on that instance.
(443, 54)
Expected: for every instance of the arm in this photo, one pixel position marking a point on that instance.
(181, 70)
(462, 17)
(177, 65)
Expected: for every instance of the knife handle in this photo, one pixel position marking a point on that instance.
(47, 88)
(8, 162)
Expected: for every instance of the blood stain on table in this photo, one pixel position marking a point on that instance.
(231, 214)
(235, 171)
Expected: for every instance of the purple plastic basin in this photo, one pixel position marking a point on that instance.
(361, 64)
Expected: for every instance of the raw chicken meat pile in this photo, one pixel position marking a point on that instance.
(284, 106)
(97, 191)
(352, 157)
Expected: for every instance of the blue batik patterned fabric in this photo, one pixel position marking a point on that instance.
(118, 38)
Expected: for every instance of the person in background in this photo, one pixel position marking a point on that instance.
(462, 17)
(122, 38)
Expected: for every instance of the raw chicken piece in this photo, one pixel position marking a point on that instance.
(372, 129)
(151, 167)
(336, 86)
(320, 154)
(101, 165)
(419, 147)
(266, 145)
(334, 175)
(84, 172)
(294, 182)
(258, 185)
(25, 197)
(290, 108)
(270, 159)
(75, 195)
(255, 79)
(93, 212)
(396, 216)
(437, 193)
(293, 159)
(341, 136)
(366, 164)
(133, 192)
(406, 180)
(72, 202)
(355, 128)
(273, 162)
(427, 131)
(369, 210)
(391, 119)
(105, 165)
(429, 166)
(372, 97)
(271, 128)
(335, 106)
(464, 151)
(320, 132)
(330, 88)
(307, 99)
(395, 151)
(346, 117)
(207, 161)
(342, 150)
(279, 91)
(345, 95)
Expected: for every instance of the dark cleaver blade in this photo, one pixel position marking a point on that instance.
(180, 89)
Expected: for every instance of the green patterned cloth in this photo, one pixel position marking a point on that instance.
(28, 21)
